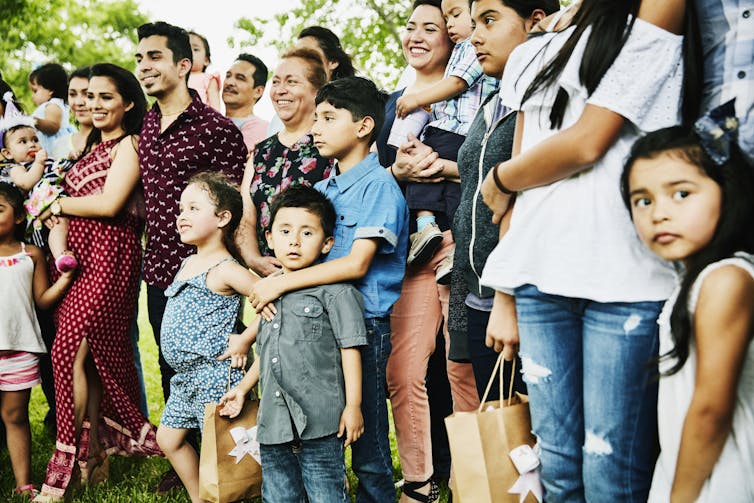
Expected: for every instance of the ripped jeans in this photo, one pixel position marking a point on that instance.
(590, 374)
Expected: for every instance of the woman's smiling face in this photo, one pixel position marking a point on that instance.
(426, 45)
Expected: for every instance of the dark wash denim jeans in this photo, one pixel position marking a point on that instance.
(304, 470)
(593, 393)
(371, 459)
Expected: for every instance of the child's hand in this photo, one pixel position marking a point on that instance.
(41, 156)
(238, 351)
(232, 403)
(264, 292)
(351, 424)
(405, 105)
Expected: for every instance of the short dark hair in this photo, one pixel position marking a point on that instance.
(330, 45)
(52, 77)
(308, 198)
(524, 8)
(359, 96)
(206, 46)
(178, 38)
(260, 69)
(433, 3)
(15, 199)
(80, 73)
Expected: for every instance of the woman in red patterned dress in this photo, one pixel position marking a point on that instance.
(94, 370)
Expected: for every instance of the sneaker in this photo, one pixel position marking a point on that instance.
(424, 244)
(444, 271)
(169, 482)
(66, 262)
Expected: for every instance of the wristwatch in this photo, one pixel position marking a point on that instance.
(55, 207)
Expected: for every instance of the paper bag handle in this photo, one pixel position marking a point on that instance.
(499, 371)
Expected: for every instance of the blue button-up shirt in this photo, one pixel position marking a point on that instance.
(369, 204)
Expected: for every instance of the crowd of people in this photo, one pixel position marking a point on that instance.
(568, 189)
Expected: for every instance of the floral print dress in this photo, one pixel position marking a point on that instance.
(277, 167)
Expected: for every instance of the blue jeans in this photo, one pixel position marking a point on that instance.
(304, 470)
(593, 394)
(371, 459)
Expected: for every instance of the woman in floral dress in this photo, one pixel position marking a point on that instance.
(284, 159)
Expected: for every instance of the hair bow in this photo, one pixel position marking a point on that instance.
(12, 116)
(717, 131)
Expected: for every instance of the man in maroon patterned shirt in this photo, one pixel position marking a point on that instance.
(181, 136)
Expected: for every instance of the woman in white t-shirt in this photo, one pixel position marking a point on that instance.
(587, 292)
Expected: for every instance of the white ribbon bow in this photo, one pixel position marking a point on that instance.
(246, 443)
(526, 461)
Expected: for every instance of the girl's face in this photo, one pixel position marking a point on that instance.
(21, 145)
(313, 43)
(498, 29)
(77, 100)
(674, 205)
(39, 94)
(8, 218)
(106, 106)
(197, 219)
(198, 54)
(291, 92)
(425, 42)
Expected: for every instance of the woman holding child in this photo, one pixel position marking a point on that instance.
(419, 313)
(284, 159)
(96, 386)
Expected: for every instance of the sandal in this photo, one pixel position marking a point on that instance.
(409, 489)
(28, 489)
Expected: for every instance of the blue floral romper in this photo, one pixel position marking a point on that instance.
(195, 331)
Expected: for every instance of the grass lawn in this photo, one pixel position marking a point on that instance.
(131, 479)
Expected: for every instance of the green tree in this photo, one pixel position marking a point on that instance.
(71, 32)
(369, 31)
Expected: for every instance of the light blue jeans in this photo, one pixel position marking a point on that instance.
(312, 471)
(591, 376)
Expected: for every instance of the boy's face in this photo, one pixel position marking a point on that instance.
(155, 69)
(297, 238)
(335, 132)
(21, 145)
(457, 19)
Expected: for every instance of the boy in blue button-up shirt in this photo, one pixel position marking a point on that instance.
(371, 240)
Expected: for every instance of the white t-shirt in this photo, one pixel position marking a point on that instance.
(731, 480)
(574, 237)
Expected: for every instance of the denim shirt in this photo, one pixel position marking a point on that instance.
(369, 204)
(301, 374)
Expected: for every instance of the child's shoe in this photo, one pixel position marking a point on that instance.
(66, 262)
(445, 270)
(424, 244)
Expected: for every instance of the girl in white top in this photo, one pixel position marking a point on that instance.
(690, 199)
(49, 86)
(587, 293)
(23, 283)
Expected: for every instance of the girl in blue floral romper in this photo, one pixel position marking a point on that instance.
(200, 318)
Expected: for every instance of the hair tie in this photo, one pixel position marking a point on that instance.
(717, 130)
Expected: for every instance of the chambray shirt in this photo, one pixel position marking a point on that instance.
(200, 139)
(727, 30)
(301, 372)
(369, 204)
(457, 113)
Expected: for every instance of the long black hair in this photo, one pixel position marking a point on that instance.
(130, 90)
(611, 24)
(5, 88)
(733, 233)
(330, 45)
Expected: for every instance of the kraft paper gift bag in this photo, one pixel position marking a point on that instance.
(480, 446)
(229, 468)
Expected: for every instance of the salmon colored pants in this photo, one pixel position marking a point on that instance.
(415, 321)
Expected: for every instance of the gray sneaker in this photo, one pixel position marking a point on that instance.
(424, 244)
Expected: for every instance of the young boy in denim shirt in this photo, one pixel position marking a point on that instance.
(309, 364)
(371, 241)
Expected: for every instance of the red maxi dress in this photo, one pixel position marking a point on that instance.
(99, 307)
